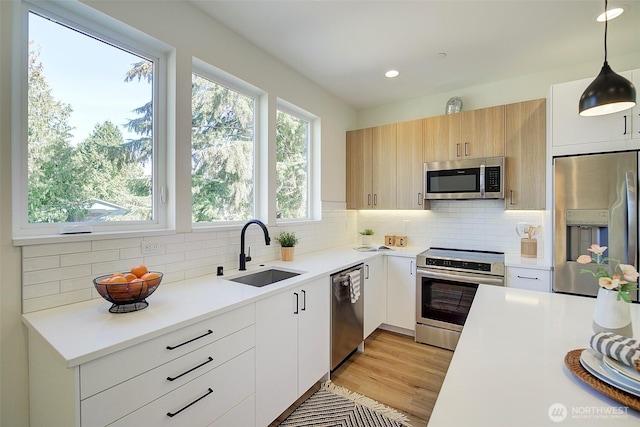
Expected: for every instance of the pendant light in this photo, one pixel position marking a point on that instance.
(609, 92)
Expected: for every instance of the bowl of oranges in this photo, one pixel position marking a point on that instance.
(127, 291)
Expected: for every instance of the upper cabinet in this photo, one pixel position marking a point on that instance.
(572, 133)
(466, 135)
(409, 165)
(371, 168)
(525, 155)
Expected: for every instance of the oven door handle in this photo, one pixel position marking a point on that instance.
(461, 277)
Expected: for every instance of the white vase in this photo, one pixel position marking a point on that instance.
(611, 315)
(366, 239)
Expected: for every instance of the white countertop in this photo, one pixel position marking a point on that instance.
(508, 368)
(85, 331)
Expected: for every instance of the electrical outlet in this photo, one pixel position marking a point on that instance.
(152, 248)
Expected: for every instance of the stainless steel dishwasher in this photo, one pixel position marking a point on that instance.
(347, 313)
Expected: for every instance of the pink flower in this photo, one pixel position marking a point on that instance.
(608, 283)
(629, 272)
(597, 249)
(584, 259)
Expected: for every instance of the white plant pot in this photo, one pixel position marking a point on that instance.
(611, 315)
(366, 239)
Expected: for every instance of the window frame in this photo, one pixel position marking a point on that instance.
(313, 166)
(220, 77)
(89, 22)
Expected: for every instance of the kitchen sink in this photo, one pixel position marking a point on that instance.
(265, 277)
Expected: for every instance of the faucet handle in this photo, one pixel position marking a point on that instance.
(248, 257)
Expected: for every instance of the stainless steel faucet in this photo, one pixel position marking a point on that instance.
(267, 241)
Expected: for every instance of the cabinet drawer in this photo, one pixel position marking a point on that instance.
(115, 368)
(243, 414)
(201, 401)
(124, 398)
(528, 278)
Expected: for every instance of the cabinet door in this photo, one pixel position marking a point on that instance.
(384, 167)
(483, 132)
(441, 138)
(375, 299)
(569, 128)
(529, 278)
(409, 165)
(525, 155)
(359, 169)
(276, 356)
(635, 112)
(401, 292)
(313, 333)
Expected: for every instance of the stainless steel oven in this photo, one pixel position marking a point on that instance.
(447, 280)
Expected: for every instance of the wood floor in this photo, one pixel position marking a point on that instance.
(395, 371)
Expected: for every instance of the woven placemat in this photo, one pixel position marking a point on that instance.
(572, 360)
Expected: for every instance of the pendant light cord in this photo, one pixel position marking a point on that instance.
(606, 22)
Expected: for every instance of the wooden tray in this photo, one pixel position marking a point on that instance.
(572, 360)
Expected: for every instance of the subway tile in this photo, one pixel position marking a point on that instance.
(55, 249)
(40, 263)
(101, 245)
(89, 258)
(40, 290)
(56, 300)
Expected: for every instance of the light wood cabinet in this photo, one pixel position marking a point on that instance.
(371, 168)
(525, 150)
(401, 292)
(465, 135)
(375, 300)
(292, 346)
(409, 165)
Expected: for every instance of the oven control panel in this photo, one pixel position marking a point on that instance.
(454, 263)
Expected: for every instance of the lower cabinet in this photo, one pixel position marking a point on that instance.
(401, 292)
(375, 300)
(529, 278)
(292, 346)
(192, 376)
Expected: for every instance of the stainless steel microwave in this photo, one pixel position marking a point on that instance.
(465, 179)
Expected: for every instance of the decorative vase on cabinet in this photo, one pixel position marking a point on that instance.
(612, 314)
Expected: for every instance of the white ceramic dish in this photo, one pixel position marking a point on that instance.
(622, 369)
(591, 360)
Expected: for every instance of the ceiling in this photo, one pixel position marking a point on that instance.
(345, 46)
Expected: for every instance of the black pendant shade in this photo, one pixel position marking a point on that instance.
(609, 92)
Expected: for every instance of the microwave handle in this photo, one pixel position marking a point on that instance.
(482, 187)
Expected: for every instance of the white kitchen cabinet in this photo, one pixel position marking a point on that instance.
(572, 133)
(143, 383)
(375, 299)
(401, 292)
(292, 346)
(529, 278)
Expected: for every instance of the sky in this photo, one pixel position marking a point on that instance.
(89, 75)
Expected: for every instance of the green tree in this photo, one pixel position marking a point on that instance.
(291, 166)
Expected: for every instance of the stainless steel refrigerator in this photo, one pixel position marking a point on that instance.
(596, 201)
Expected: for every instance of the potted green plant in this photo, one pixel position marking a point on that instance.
(287, 241)
(366, 236)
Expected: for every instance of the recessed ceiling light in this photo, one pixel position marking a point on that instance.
(392, 73)
(610, 14)
(440, 55)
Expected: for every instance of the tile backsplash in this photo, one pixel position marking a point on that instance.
(62, 273)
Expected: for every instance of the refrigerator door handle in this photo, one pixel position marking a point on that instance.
(632, 219)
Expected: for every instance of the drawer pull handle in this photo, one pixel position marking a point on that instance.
(529, 278)
(173, 414)
(210, 359)
(209, 332)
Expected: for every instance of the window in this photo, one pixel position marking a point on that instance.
(90, 143)
(292, 165)
(222, 152)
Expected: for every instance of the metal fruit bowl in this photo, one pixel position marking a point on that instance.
(129, 296)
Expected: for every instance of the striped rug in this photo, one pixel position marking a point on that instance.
(333, 406)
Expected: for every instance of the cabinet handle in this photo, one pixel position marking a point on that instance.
(366, 275)
(209, 359)
(411, 268)
(209, 332)
(511, 197)
(369, 199)
(458, 149)
(528, 278)
(420, 199)
(375, 199)
(466, 152)
(304, 300)
(173, 414)
(625, 124)
(297, 311)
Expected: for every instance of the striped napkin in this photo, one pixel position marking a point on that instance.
(624, 350)
(354, 285)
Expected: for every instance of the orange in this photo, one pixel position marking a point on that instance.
(116, 275)
(130, 277)
(139, 270)
(117, 279)
(152, 279)
(138, 288)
